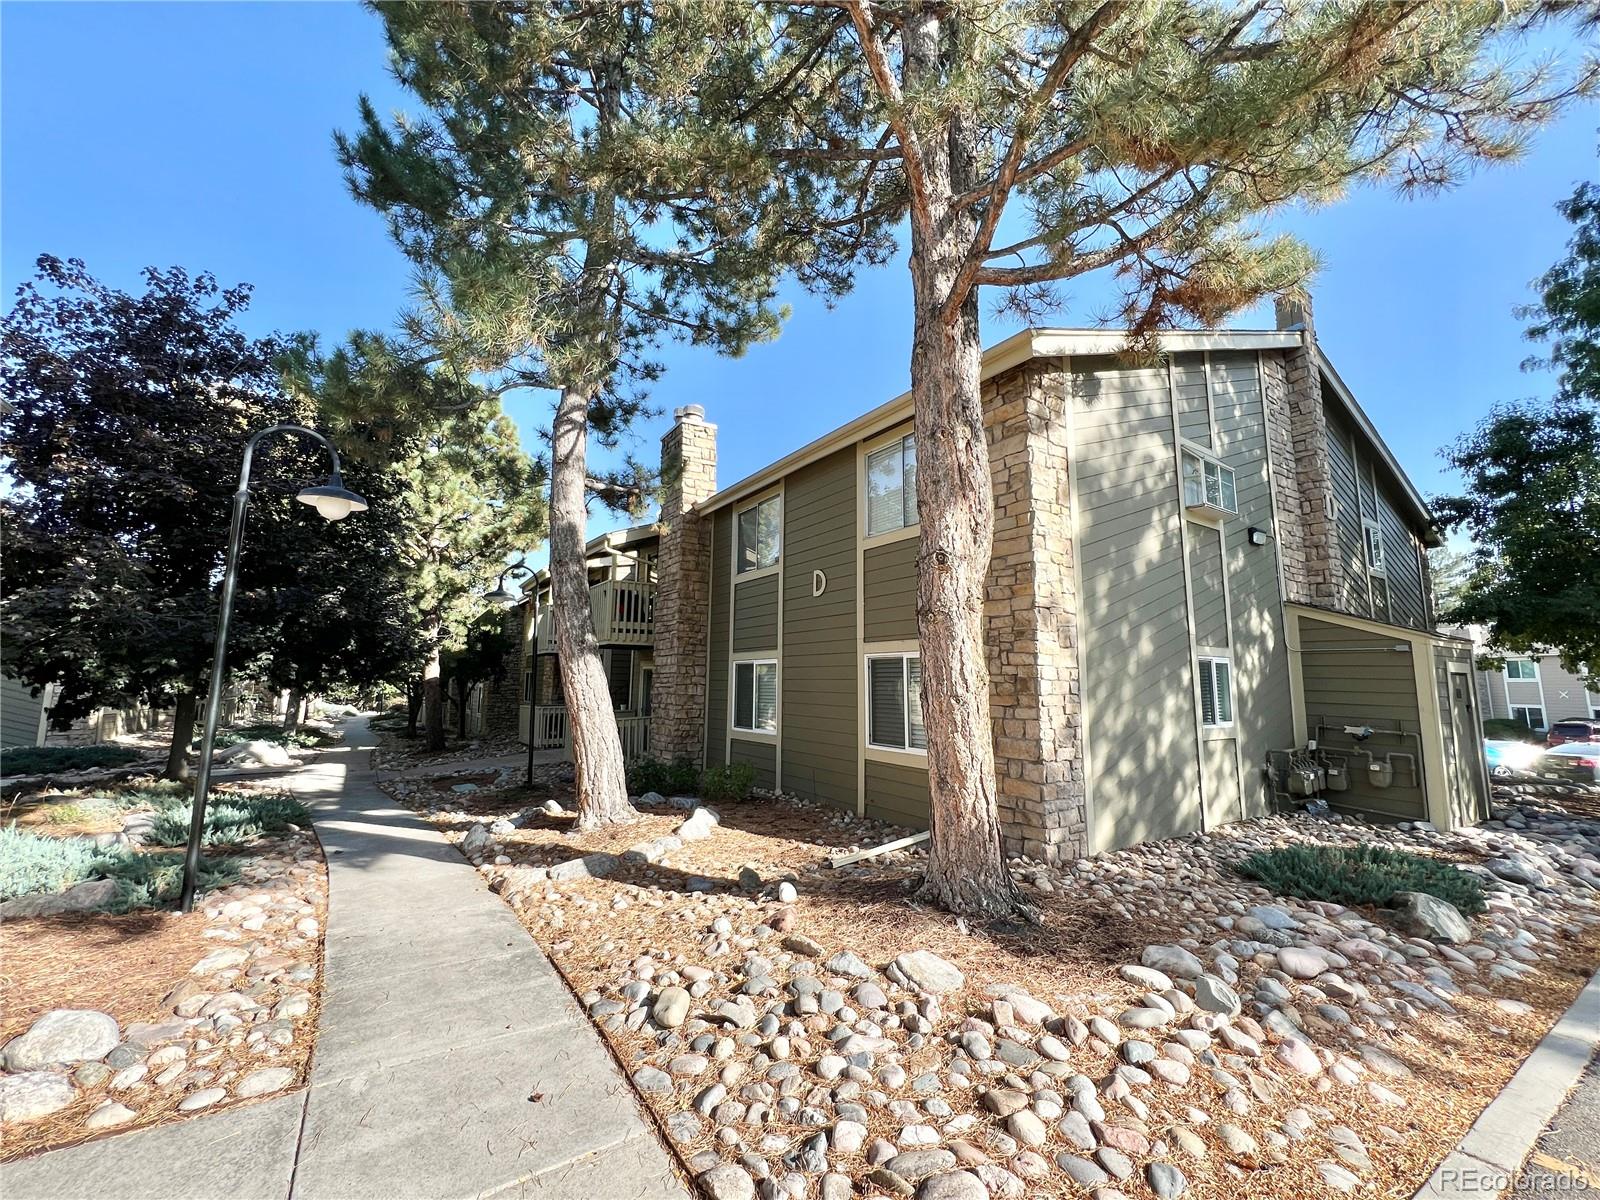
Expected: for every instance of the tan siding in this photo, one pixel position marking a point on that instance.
(1137, 683)
(1262, 708)
(1206, 583)
(755, 615)
(1194, 419)
(717, 652)
(1220, 777)
(19, 713)
(897, 794)
(1353, 678)
(820, 728)
(763, 756)
(889, 592)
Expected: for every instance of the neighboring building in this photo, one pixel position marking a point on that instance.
(1536, 690)
(1199, 568)
(23, 713)
(622, 603)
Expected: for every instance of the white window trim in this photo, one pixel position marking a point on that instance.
(1201, 660)
(1381, 567)
(1206, 456)
(738, 730)
(1510, 678)
(757, 572)
(907, 750)
(869, 448)
(1544, 717)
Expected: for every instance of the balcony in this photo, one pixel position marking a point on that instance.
(623, 611)
(551, 732)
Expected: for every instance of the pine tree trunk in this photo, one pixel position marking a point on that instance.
(433, 700)
(955, 502)
(596, 746)
(291, 710)
(183, 715)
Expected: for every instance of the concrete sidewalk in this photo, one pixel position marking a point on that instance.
(450, 1059)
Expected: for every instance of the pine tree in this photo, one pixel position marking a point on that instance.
(583, 186)
(1146, 137)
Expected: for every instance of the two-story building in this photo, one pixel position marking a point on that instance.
(1206, 569)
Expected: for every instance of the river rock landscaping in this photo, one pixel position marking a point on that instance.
(1169, 1027)
(119, 1012)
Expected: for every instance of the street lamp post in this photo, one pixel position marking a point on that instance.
(333, 501)
(508, 599)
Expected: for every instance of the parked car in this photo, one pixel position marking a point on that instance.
(1572, 729)
(1509, 757)
(1577, 761)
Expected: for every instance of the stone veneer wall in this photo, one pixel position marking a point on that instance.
(1312, 538)
(683, 586)
(1032, 617)
(502, 699)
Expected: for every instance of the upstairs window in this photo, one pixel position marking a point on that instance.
(1522, 669)
(1216, 692)
(1372, 536)
(755, 696)
(1208, 484)
(760, 535)
(892, 487)
(894, 702)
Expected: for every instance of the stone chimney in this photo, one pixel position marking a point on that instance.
(1297, 431)
(683, 586)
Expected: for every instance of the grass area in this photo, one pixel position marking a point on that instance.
(1361, 875)
(37, 760)
(303, 737)
(33, 864)
(1501, 730)
(230, 817)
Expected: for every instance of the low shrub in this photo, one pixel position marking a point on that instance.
(1361, 875)
(729, 783)
(231, 817)
(1498, 729)
(75, 812)
(155, 880)
(676, 778)
(150, 793)
(31, 863)
(40, 760)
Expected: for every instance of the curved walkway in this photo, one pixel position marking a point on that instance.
(450, 1061)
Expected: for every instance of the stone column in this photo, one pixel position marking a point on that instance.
(1031, 608)
(683, 586)
(1307, 531)
(502, 699)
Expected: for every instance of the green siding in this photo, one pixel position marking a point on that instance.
(1138, 679)
(820, 729)
(1353, 678)
(889, 591)
(1206, 585)
(717, 682)
(763, 756)
(1263, 714)
(898, 794)
(755, 615)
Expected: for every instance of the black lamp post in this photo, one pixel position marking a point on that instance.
(503, 597)
(333, 501)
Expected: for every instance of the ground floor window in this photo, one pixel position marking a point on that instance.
(1216, 692)
(894, 702)
(1530, 715)
(755, 696)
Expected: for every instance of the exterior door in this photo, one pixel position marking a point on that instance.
(1467, 793)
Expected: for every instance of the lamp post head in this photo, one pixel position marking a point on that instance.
(333, 501)
(503, 597)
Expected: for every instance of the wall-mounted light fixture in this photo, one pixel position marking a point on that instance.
(1258, 537)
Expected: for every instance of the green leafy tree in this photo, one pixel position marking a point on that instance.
(1031, 142)
(484, 657)
(1532, 504)
(126, 418)
(464, 496)
(586, 183)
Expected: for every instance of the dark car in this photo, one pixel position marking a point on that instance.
(1572, 729)
(1577, 761)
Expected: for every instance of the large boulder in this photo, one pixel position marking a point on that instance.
(926, 970)
(64, 1036)
(255, 753)
(1422, 915)
(34, 1094)
(1172, 960)
(88, 896)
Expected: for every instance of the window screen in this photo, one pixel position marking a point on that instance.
(892, 487)
(759, 535)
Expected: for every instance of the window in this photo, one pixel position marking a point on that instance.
(892, 487)
(1522, 669)
(894, 702)
(1216, 692)
(755, 697)
(527, 685)
(1208, 484)
(759, 535)
(1530, 715)
(1372, 535)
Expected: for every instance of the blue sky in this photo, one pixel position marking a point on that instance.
(200, 135)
